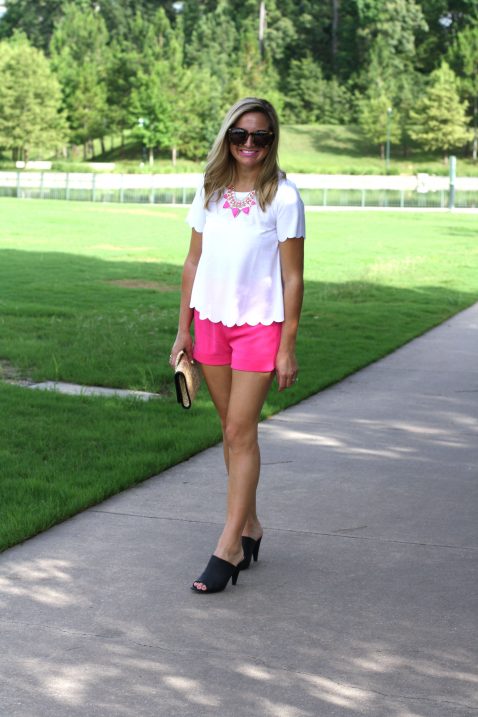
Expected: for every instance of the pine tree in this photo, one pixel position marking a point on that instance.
(305, 92)
(81, 58)
(439, 121)
(375, 104)
(375, 114)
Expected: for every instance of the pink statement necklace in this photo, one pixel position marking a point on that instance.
(238, 205)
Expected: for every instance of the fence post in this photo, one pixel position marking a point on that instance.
(42, 179)
(122, 189)
(363, 198)
(325, 197)
(67, 186)
(18, 183)
(93, 187)
(451, 196)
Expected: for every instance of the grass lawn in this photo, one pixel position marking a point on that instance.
(89, 293)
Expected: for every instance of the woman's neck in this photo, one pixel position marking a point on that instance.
(245, 181)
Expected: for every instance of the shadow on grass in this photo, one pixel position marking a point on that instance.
(71, 318)
(62, 318)
(348, 141)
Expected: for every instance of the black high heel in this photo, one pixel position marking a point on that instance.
(216, 575)
(255, 552)
(251, 550)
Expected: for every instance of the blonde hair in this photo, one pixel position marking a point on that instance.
(220, 166)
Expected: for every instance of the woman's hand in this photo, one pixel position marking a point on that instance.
(286, 368)
(184, 343)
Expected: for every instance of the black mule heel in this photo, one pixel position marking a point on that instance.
(255, 551)
(251, 550)
(216, 575)
(248, 548)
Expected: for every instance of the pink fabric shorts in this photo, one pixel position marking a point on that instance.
(243, 348)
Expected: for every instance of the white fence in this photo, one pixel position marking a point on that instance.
(317, 189)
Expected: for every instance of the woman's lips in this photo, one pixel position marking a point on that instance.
(249, 152)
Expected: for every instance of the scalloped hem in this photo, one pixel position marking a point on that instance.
(263, 322)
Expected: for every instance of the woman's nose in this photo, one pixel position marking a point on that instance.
(248, 142)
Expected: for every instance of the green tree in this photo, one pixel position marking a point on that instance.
(396, 22)
(30, 101)
(388, 34)
(200, 113)
(445, 20)
(118, 15)
(374, 104)
(149, 103)
(309, 97)
(440, 122)
(35, 19)
(463, 57)
(134, 54)
(81, 58)
(375, 113)
(305, 90)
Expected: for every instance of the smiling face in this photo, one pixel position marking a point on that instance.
(247, 155)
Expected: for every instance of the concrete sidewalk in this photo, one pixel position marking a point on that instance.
(364, 599)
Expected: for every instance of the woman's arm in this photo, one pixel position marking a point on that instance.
(183, 341)
(292, 267)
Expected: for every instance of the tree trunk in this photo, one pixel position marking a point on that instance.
(151, 156)
(262, 27)
(103, 147)
(475, 136)
(335, 28)
(174, 154)
(382, 151)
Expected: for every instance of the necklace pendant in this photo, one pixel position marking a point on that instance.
(238, 205)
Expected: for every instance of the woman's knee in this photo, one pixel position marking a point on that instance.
(239, 436)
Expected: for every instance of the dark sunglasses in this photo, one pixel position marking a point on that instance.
(261, 138)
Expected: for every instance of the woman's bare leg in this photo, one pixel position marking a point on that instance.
(219, 381)
(247, 393)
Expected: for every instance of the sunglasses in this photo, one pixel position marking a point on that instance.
(261, 138)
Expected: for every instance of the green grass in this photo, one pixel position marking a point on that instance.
(373, 281)
(321, 149)
(336, 149)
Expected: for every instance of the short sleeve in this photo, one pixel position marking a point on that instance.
(196, 217)
(290, 212)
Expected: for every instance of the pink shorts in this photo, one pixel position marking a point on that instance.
(243, 348)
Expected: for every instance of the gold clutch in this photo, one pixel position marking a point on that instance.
(187, 379)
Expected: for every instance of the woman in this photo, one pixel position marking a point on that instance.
(243, 285)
